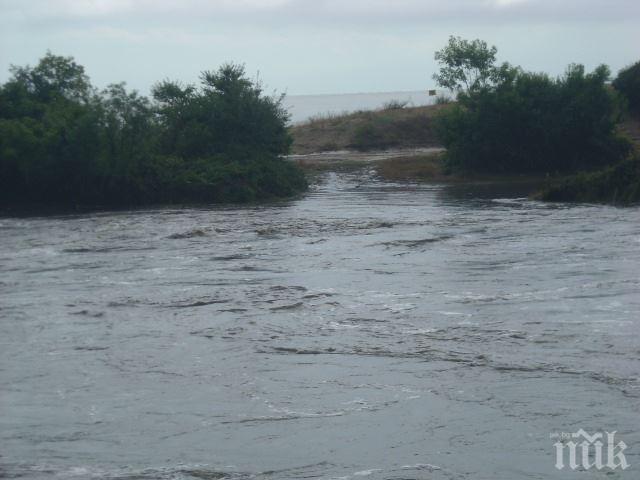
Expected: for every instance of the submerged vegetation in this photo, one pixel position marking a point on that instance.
(63, 142)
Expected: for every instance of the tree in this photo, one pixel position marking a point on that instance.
(467, 66)
(531, 123)
(54, 76)
(228, 115)
(64, 142)
(628, 83)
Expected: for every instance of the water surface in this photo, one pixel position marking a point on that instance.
(367, 330)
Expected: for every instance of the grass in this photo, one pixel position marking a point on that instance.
(432, 168)
(312, 166)
(414, 167)
(390, 127)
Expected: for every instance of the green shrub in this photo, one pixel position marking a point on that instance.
(369, 136)
(442, 99)
(395, 105)
(628, 84)
(619, 183)
(531, 123)
(62, 142)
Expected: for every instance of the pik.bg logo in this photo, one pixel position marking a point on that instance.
(582, 450)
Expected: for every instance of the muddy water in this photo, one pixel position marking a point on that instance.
(367, 330)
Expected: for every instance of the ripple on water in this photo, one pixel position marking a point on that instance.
(367, 330)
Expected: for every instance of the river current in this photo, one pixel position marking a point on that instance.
(367, 330)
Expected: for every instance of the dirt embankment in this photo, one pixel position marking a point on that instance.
(392, 128)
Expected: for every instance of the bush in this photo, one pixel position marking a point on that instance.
(370, 136)
(395, 105)
(530, 123)
(442, 99)
(227, 115)
(616, 184)
(628, 84)
(62, 142)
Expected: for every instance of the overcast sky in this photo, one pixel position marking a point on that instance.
(312, 46)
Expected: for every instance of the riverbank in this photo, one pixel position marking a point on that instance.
(413, 167)
(337, 143)
(398, 144)
(387, 128)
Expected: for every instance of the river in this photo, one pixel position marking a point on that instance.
(367, 330)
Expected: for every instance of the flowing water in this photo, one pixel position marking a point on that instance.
(365, 331)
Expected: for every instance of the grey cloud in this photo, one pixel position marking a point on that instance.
(312, 45)
(327, 12)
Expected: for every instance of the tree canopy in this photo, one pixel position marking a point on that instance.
(64, 142)
(628, 84)
(512, 121)
(468, 66)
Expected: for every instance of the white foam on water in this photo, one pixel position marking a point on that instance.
(366, 473)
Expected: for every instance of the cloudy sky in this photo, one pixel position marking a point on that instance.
(312, 46)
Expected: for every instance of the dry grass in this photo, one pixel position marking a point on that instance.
(416, 167)
(367, 130)
(311, 166)
(431, 168)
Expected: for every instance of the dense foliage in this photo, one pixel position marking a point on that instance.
(467, 66)
(619, 184)
(64, 142)
(524, 122)
(628, 84)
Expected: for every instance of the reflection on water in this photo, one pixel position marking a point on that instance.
(368, 330)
